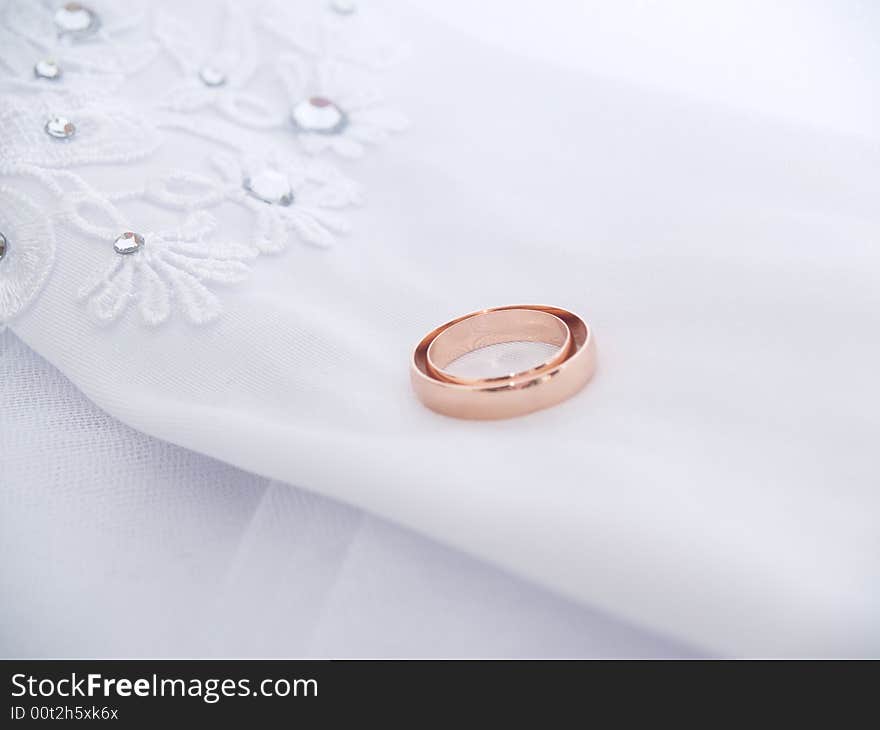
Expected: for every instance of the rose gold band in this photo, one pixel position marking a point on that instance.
(550, 383)
(491, 328)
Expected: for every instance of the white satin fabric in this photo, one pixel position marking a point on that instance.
(715, 483)
(115, 544)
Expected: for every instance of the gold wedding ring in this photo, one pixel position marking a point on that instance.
(554, 380)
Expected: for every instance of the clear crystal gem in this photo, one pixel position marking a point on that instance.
(128, 242)
(319, 115)
(270, 186)
(47, 69)
(60, 128)
(4, 246)
(77, 20)
(212, 76)
(343, 7)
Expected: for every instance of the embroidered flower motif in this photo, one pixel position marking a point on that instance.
(100, 134)
(72, 58)
(283, 197)
(215, 73)
(90, 37)
(27, 251)
(53, 75)
(29, 70)
(333, 109)
(158, 270)
(334, 30)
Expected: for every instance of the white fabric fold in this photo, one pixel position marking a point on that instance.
(115, 544)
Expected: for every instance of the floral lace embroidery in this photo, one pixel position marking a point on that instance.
(215, 74)
(283, 198)
(317, 31)
(104, 48)
(28, 252)
(327, 87)
(171, 265)
(68, 71)
(103, 134)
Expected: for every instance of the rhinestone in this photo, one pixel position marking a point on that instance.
(212, 76)
(4, 246)
(76, 20)
(343, 7)
(270, 186)
(128, 242)
(60, 128)
(319, 115)
(47, 69)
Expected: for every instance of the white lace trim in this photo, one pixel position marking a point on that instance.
(357, 38)
(369, 120)
(327, 59)
(104, 134)
(173, 266)
(30, 29)
(30, 252)
(234, 61)
(318, 191)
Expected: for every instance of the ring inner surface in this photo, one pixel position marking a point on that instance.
(545, 333)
